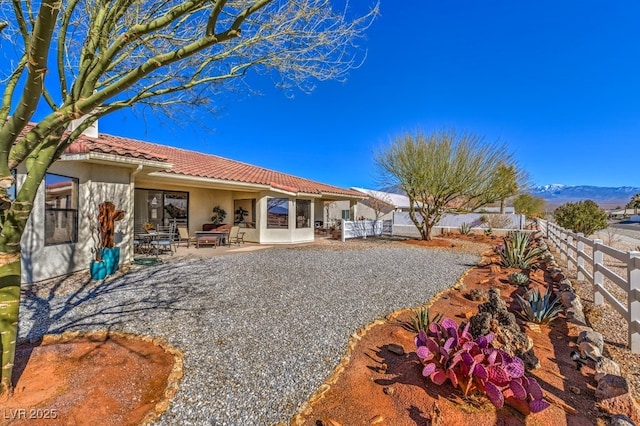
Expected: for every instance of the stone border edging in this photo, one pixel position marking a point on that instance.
(612, 392)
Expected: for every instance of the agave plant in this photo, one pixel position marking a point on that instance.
(518, 278)
(517, 251)
(538, 308)
(450, 353)
(423, 319)
(464, 229)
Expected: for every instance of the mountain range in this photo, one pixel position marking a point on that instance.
(557, 194)
(605, 197)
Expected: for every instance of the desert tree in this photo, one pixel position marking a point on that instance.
(529, 205)
(441, 172)
(72, 59)
(507, 181)
(582, 217)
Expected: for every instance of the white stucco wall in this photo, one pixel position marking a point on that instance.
(283, 236)
(96, 184)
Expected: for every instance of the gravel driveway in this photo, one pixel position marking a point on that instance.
(260, 331)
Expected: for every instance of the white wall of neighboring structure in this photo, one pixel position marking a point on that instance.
(96, 184)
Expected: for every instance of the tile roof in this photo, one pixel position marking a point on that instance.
(192, 163)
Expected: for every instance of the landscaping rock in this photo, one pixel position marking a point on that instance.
(493, 316)
(592, 337)
(611, 386)
(623, 404)
(621, 420)
(396, 349)
(607, 366)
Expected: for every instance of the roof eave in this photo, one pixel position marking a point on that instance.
(98, 157)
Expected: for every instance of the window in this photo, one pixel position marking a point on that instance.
(346, 214)
(60, 209)
(303, 213)
(277, 213)
(243, 212)
(159, 208)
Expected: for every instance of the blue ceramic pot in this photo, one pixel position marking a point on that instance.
(98, 270)
(111, 258)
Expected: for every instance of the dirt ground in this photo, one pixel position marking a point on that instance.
(88, 379)
(377, 384)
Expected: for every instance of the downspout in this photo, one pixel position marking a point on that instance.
(132, 191)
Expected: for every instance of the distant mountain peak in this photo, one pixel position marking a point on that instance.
(606, 197)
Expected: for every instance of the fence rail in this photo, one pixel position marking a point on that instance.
(572, 249)
(365, 228)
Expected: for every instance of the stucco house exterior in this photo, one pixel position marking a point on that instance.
(157, 184)
(377, 205)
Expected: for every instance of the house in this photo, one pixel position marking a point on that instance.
(158, 184)
(376, 205)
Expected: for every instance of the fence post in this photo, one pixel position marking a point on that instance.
(569, 250)
(580, 259)
(563, 246)
(598, 278)
(633, 300)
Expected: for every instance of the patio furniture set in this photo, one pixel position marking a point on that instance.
(167, 239)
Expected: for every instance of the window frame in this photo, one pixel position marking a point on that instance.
(307, 218)
(75, 193)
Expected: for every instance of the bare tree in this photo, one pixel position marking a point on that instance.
(443, 172)
(107, 55)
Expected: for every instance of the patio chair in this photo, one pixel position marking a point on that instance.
(183, 236)
(165, 242)
(235, 236)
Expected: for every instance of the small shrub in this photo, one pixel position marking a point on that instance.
(517, 251)
(449, 353)
(538, 308)
(422, 319)
(464, 229)
(518, 278)
(488, 232)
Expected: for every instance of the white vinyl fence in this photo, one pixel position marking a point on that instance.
(365, 228)
(402, 224)
(572, 249)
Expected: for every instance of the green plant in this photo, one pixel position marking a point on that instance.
(422, 319)
(581, 217)
(219, 214)
(450, 353)
(465, 228)
(518, 278)
(488, 232)
(517, 251)
(538, 308)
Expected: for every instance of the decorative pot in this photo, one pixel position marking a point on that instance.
(98, 270)
(111, 258)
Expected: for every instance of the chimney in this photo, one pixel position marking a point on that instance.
(91, 131)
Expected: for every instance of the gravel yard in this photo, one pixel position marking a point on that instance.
(261, 330)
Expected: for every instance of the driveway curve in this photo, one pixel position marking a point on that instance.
(260, 330)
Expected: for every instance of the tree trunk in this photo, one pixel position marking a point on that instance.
(9, 307)
(502, 203)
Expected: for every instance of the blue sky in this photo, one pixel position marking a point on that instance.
(557, 81)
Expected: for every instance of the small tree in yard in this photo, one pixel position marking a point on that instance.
(444, 172)
(529, 205)
(584, 216)
(87, 58)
